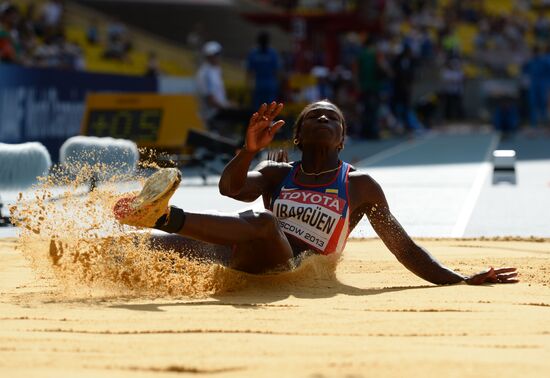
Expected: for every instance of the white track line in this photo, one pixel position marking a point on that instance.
(403, 146)
(475, 190)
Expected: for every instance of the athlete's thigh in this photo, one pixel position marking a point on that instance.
(268, 249)
(255, 256)
(263, 255)
(191, 248)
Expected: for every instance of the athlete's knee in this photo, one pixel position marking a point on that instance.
(266, 223)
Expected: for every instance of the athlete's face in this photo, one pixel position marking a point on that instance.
(322, 125)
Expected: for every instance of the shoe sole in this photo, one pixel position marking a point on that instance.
(157, 186)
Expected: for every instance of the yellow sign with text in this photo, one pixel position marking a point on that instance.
(150, 120)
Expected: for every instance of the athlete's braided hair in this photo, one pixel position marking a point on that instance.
(307, 108)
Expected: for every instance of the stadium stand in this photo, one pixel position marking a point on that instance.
(78, 22)
(455, 46)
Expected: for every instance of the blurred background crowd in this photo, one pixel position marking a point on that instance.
(395, 67)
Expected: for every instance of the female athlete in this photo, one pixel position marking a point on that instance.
(312, 205)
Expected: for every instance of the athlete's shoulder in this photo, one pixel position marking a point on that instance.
(361, 179)
(363, 187)
(351, 167)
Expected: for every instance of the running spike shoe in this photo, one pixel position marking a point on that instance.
(151, 203)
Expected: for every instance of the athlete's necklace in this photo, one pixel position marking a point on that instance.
(319, 173)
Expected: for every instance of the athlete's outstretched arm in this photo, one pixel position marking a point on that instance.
(412, 256)
(236, 181)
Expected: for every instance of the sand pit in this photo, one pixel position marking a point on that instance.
(373, 318)
(79, 297)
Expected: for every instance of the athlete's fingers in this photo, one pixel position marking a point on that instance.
(505, 270)
(276, 126)
(271, 107)
(513, 280)
(253, 118)
(262, 109)
(275, 109)
(492, 279)
(507, 276)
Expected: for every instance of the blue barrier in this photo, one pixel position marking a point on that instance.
(47, 105)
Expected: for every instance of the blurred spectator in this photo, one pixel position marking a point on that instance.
(263, 67)
(426, 108)
(153, 67)
(48, 54)
(346, 97)
(403, 71)
(450, 42)
(452, 80)
(9, 36)
(426, 45)
(334, 6)
(115, 49)
(367, 72)
(72, 56)
(502, 97)
(50, 18)
(118, 41)
(218, 113)
(481, 40)
(350, 49)
(116, 29)
(210, 83)
(322, 88)
(537, 71)
(92, 32)
(541, 28)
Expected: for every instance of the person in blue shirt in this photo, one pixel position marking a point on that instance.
(536, 70)
(263, 65)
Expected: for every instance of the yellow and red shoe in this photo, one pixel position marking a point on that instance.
(151, 203)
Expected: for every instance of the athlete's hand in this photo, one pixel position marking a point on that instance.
(261, 128)
(280, 156)
(491, 275)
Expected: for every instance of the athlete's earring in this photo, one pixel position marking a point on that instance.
(341, 147)
(296, 141)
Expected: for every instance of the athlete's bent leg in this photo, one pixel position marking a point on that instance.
(190, 248)
(259, 245)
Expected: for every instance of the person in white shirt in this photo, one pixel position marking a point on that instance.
(452, 80)
(52, 13)
(218, 113)
(210, 86)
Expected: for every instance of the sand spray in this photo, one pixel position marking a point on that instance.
(70, 233)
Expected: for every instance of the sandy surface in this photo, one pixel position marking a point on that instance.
(374, 319)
